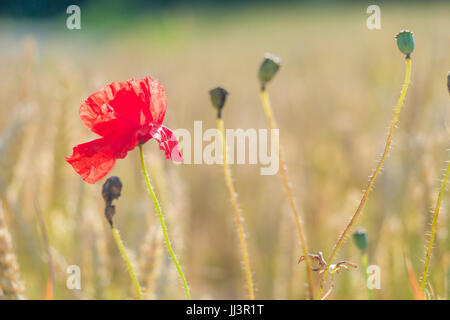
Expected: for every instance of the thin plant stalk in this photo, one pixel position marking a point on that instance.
(237, 211)
(163, 224)
(365, 263)
(125, 257)
(373, 176)
(287, 188)
(414, 284)
(433, 229)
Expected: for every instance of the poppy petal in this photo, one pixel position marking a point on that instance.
(150, 100)
(125, 114)
(92, 160)
(168, 142)
(158, 103)
(124, 104)
(98, 115)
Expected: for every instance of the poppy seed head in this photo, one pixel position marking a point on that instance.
(110, 211)
(269, 67)
(218, 97)
(405, 42)
(111, 189)
(360, 239)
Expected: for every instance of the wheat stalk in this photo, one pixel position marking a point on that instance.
(11, 287)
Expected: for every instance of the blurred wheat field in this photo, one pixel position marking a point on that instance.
(333, 98)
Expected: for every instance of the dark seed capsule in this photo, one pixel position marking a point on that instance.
(111, 189)
(218, 97)
(269, 67)
(405, 42)
(360, 239)
(110, 211)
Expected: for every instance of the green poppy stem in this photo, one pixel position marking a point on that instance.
(289, 193)
(374, 175)
(127, 262)
(163, 224)
(237, 211)
(433, 229)
(365, 263)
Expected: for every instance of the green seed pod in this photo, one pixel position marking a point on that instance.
(269, 67)
(218, 96)
(405, 42)
(360, 239)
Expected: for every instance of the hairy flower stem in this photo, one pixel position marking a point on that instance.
(365, 263)
(287, 188)
(236, 209)
(433, 228)
(163, 224)
(127, 262)
(373, 176)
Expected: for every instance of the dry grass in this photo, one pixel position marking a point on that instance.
(11, 286)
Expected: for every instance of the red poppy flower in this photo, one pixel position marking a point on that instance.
(124, 114)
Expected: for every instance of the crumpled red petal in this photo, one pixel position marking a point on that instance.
(151, 92)
(168, 142)
(124, 104)
(96, 113)
(125, 114)
(92, 160)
